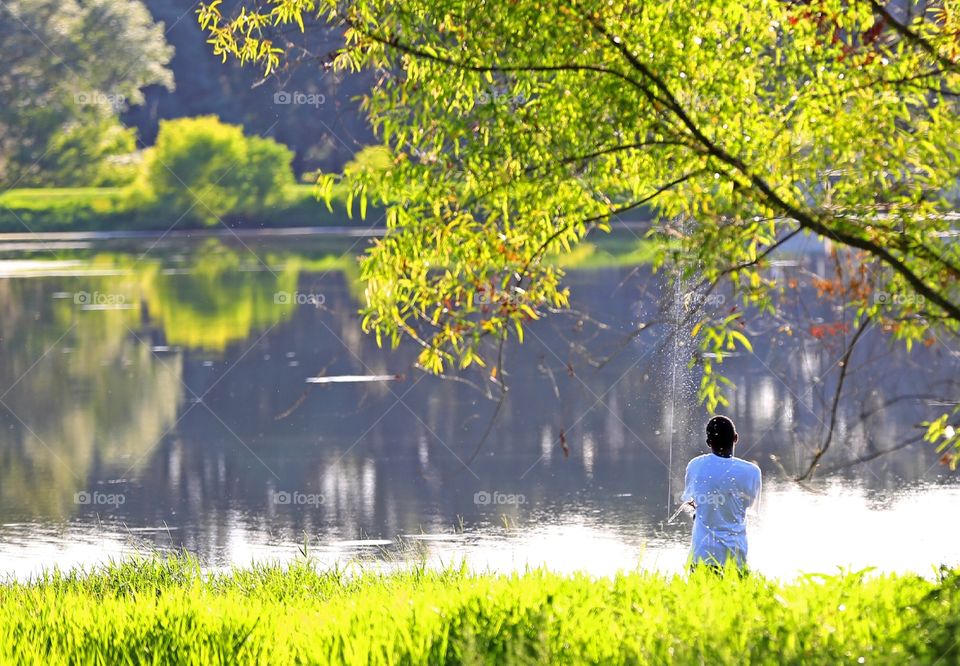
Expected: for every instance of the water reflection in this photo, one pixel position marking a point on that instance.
(82, 396)
(176, 380)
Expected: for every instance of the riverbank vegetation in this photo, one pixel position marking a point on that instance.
(200, 172)
(169, 609)
(114, 208)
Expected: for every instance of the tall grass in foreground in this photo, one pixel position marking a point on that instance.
(168, 611)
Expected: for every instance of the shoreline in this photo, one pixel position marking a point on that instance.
(219, 232)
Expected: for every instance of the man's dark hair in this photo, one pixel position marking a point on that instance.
(721, 435)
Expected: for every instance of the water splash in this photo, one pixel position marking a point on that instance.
(675, 333)
(681, 312)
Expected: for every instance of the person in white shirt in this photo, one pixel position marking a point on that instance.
(720, 488)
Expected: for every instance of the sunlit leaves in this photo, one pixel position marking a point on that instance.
(945, 436)
(717, 339)
(516, 129)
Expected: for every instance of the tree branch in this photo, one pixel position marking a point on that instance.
(874, 455)
(805, 219)
(912, 36)
(496, 410)
(844, 366)
(474, 67)
(603, 216)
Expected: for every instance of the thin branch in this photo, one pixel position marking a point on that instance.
(874, 455)
(554, 165)
(612, 149)
(485, 390)
(482, 68)
(866, 413)
(547, 370)
(622, 344)
(879, 81)
(844, 367)
(760, 257)
(603, 216)
(912, 36)
(303, 396)
(496, 410)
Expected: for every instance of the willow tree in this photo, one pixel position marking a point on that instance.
(516, 127)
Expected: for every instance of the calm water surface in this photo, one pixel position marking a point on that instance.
(154, 395)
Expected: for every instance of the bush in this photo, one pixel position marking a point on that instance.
(86, 154)
(207, 170)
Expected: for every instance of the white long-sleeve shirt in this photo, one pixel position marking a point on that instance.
(722, 489)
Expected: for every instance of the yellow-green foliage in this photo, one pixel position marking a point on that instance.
(517, 129)
(167, 611)
(375, 159)
(210, 169)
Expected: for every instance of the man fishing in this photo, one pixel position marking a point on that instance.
(720, 489)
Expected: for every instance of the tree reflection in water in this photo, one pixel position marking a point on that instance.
(169, 388)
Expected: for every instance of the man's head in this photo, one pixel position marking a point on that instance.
(721, 435)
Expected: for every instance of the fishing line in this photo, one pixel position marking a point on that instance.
(673, 386)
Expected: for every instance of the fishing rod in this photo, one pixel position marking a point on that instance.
(681, 508)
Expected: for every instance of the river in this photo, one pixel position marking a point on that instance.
(154, 396)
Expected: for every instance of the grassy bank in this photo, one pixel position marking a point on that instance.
(166, 611)
(112, 208)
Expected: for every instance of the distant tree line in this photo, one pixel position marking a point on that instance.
(85, 86)
(68, 69)
(312, 111)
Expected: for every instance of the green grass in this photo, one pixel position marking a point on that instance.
(113, 208)
(61, 209)
(39, 197)
(167, 611)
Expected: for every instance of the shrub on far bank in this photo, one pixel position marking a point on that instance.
(207, 170)
(199, 173)
(98, 153)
